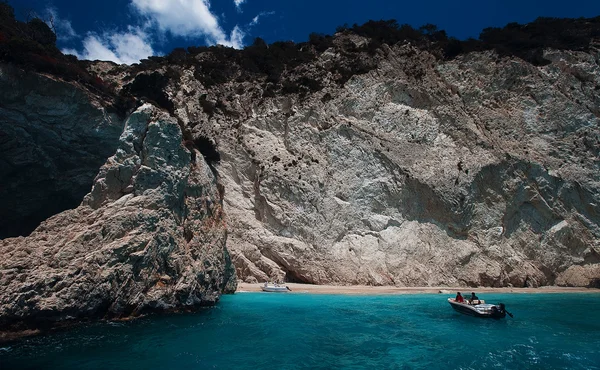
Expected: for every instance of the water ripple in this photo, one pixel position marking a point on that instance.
(303, 331)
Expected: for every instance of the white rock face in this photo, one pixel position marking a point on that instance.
(149, 237)
(477, 171)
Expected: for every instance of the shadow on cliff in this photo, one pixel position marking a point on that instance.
(449, 211)
(533, 197)
(532, 200)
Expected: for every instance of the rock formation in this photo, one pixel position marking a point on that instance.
(149, 237)
(482, 170)
(345, 160)
(53, 139)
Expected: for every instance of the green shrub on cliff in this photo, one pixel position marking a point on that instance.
(19, 38)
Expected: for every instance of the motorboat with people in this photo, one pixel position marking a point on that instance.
(478, 308)
(275, 287)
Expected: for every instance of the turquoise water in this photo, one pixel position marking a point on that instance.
(303, 331)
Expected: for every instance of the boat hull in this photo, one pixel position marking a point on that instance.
(275, 289)
(481, 310)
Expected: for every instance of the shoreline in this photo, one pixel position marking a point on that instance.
(376, 290)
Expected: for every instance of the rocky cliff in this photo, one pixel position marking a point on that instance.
(352, 159)
(480, 170)
(149, 236)
(53, 139)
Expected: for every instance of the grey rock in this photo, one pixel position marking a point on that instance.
(480, 171)
(54, 136)
(149, 237)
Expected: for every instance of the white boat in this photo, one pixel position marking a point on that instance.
(274, 287)
(479, 308)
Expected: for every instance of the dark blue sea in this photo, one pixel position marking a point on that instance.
(305, 331)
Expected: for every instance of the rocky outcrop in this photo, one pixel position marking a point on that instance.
(149, 237)
(482, 170)
(53, 138)
(354, 163)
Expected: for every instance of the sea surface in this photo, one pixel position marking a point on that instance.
(309, 331)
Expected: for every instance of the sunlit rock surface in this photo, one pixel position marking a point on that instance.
(477, 171)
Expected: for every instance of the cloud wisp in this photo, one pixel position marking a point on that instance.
(256, 19)
(238, 4)
(62, 27)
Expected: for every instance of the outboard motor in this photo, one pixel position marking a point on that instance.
(498, 310)
(503, 310)
(502, 307)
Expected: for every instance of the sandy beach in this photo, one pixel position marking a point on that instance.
(363, 289)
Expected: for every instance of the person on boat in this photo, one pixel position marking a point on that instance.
(459, 298)
(473, 298)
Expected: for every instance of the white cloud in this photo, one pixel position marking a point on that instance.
(237, 38)
(261, 14)
(122, 48)
(238, 4)
(183, 18)
(188, 18)
(131, 47)
(94, 49)
(63, 28)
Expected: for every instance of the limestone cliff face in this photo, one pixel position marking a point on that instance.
(481, 170)
(149, 237)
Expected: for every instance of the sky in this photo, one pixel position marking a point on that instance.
(125, 31)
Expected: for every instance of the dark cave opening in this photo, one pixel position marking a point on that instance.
(293, 277)
(20, 217)
(208, 149)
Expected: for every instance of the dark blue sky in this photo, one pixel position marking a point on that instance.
(131, 28)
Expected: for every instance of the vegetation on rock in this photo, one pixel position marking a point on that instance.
(32, 46)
